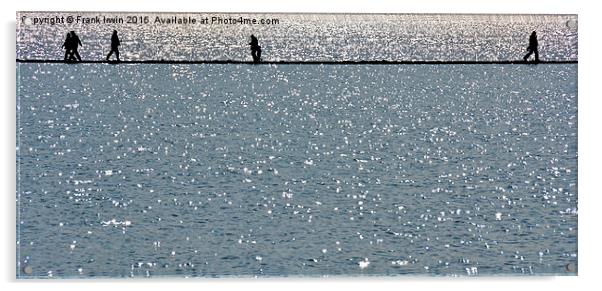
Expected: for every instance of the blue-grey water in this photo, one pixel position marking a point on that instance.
(298, 170)
(295, 170)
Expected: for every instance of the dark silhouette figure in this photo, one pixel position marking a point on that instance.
(255, 49)
(114, 45)
(532, 48)
(69, 56)
(71, 43)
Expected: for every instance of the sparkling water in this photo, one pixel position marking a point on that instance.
(137, 170)
(317, 37)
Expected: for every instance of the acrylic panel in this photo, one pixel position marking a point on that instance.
(175, 144)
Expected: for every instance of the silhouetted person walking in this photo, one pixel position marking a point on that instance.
(69, 56)
(532, 48)
(114, 45)
(71, 43)
(255, 49)
(76, 43)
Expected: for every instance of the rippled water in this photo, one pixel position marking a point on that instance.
(228, 170)
(301, 37)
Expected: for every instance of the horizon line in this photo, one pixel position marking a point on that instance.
(343, 62)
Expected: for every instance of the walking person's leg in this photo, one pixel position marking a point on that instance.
(79, 58)
(109, 55)
(536, 55)
(117, 53)
(528, 55)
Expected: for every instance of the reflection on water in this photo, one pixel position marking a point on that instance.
(227, 170)
(301, 37)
